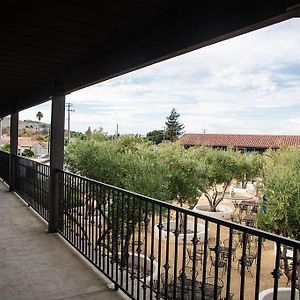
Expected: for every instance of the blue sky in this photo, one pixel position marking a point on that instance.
(248, 84)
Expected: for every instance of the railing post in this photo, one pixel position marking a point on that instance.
(14, 126)
(56, 157)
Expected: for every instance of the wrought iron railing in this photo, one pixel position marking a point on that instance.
(32, 182)
(4, 165)
(155, 250)
(151, 249)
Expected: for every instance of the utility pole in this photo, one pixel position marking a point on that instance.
(117, 131)
(69, 110)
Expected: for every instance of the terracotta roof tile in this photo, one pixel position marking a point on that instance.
(240, 140)
(22, 141)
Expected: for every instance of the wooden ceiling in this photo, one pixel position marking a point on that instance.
(54, 47)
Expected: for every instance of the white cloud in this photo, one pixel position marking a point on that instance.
(232, 86)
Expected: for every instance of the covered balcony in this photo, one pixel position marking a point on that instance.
(144, 248)
(38, 265)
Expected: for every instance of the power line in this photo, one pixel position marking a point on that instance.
(69, 110)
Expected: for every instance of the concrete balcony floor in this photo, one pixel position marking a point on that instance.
(37, 265)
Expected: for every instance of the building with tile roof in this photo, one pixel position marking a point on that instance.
(246, 142)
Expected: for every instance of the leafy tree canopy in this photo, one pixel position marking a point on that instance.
(281, 187)
(173, 127)
(6, 147)
(39, 115)
(155, 136)
(28, 153)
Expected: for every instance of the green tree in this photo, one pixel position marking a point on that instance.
(282, 208)
(155, 136)
(88, 133)
(250, 167)
(182, 170)
(183, 173)
(218, 169)
(28, 153)
(173, 127)
(6, 147)
(39, 116)
(128, 163)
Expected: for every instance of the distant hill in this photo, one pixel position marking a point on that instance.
(28, 125)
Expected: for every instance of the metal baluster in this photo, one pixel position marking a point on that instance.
(243, 265)
(167, 266)
(176, 233)
(145, 248)
(82, 218)
(93, 216)
(160, 226)
(113, 231)
(229, 260)
(152, 248)
(294, 273)
(217, 251)
(183, 256)
(195, 242)
(258, 268)
(97, 225)
(102, 226)
(117, 235)
(276, 273)
(204, 259)
(127, 246)
(132, 246)
(109, 224)
(123, 211)
(139, 248)
(77, 217)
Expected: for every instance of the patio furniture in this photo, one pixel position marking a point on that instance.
(209, 289)
(135, 245)
(288, 274)
(186, 274)
(249, 220)
(212, 244)
(236, 206)
(248, 260)
(164, 287)
(198, 256)
(220, 264)
(238, 237)
(175, 293)
(233, 248)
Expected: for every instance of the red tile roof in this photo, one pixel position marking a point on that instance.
(22, 141)
(240, 140)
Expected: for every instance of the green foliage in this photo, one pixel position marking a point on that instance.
(78, 135)
(126, 162)
(88, 133)
(173, 127)
(28, 153)
(218, 169)
(282, 189)
(155, 136)
(41, 138)
(39, 116)
(282, 208)
(6, 147)
(183, 173)
(250, 167)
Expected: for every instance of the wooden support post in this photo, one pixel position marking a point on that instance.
(56, 157)
(14, 126)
